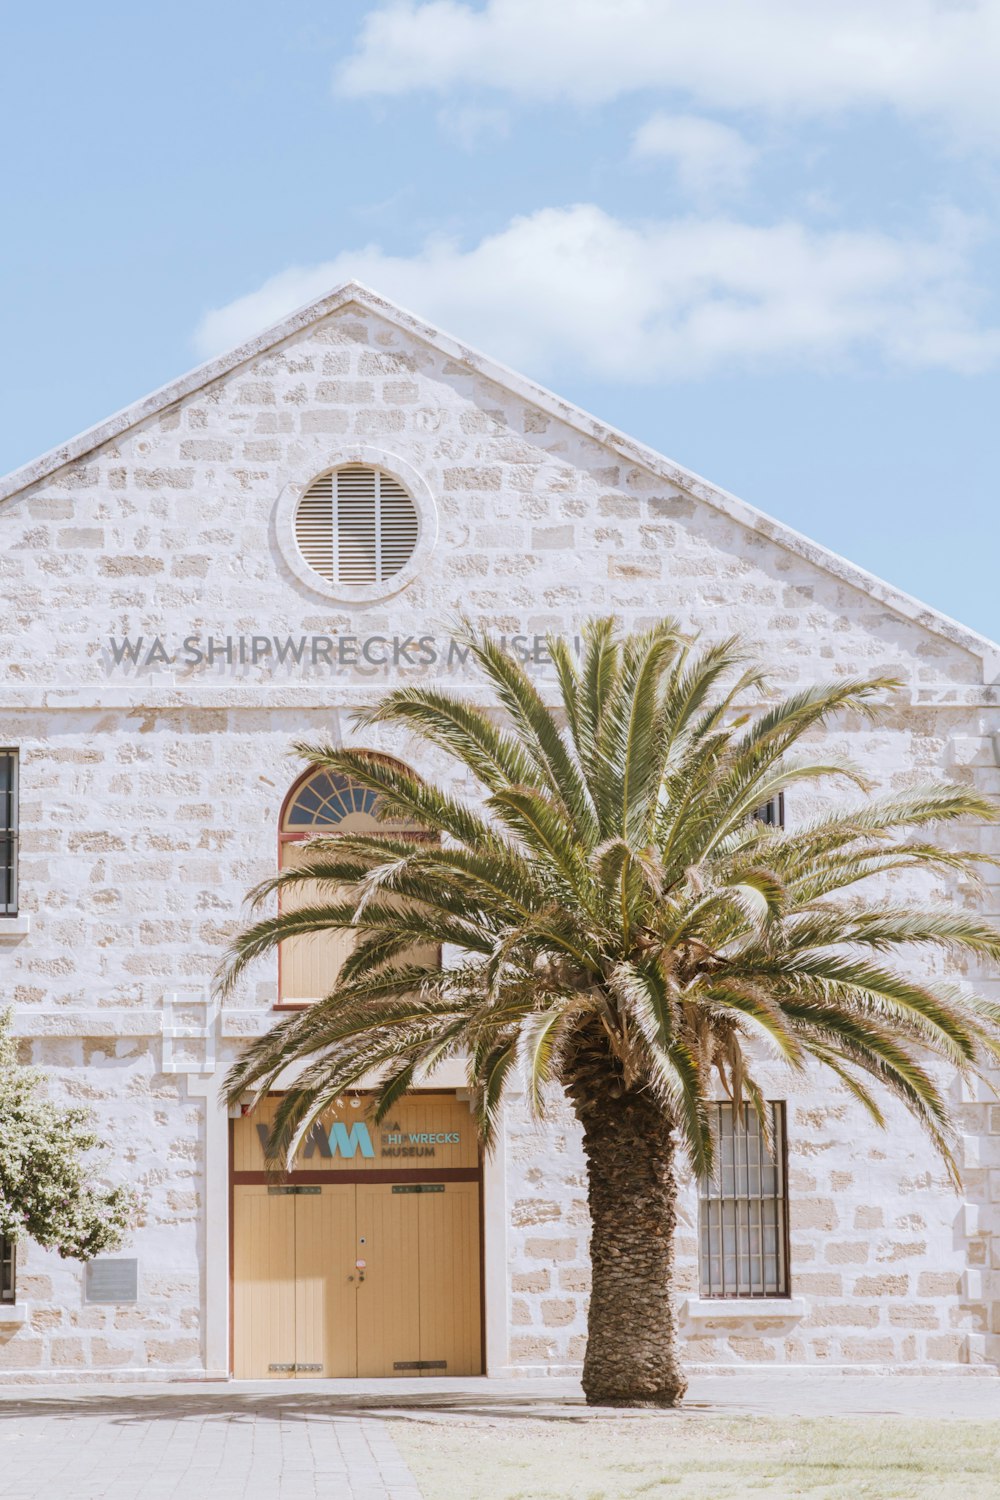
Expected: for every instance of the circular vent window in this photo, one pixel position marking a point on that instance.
(356, 525)
(357, 532)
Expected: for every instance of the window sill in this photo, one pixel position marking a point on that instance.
(745, 1307)
(13, 1312)
(15, 927)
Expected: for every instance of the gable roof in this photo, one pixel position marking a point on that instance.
(627, 448)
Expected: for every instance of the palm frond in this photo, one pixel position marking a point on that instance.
(614, 917)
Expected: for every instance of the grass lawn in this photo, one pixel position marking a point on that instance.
(701, 1458)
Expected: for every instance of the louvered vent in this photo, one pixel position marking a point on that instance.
(356, 526)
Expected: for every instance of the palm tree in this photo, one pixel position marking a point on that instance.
(623, 927)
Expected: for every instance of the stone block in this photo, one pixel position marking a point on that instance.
(551, 1249)
(531, 1281)
(557, 1312)
(894, 1250)
(20, 1351)
(869, 1351)
(847, 1252)
(107, 1355)
(553, 538)
(332, 423)
(914, 1315)
(634, 566)
(378, 423)
(473, 478)
(881, 1286)
(74, 537)
(163, 479)
(67, 1353)
(206, 450)
(400, 392)
(754, 1351)
(843, 1315)
(948, 1347)
(531, 1349)
(813, 1213)
(116, 566)
(172, 1351)
(818, 1284)
(528, 1211)
(938, 1284)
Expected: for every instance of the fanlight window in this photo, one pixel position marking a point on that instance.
(324, 805)
(356, 525)
(327, 800)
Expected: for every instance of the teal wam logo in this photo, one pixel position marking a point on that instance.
(338, 1141)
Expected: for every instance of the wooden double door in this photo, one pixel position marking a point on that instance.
(356, 1279)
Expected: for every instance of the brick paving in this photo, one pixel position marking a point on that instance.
(247, 1441)
(159, 1445)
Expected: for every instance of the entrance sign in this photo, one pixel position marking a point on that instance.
(424, 1131)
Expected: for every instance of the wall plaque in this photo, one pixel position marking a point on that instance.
(112, 1279)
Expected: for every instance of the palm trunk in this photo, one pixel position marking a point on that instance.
(632, 1357)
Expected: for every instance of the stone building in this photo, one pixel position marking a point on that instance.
(232, 565)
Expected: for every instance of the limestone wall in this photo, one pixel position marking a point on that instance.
(150, 798)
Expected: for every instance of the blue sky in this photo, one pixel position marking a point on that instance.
(760, 238)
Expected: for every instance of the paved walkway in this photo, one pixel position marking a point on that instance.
(182, 1443)
(327, 1440)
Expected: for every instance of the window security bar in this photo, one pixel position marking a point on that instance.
(8, 1270)
(8, 833)
(743, 1209)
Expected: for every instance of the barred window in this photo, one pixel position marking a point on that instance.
(8, 833)
(8, 1269)
(772, 811)
(743, 1209)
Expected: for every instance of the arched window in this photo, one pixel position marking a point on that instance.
(323, 804)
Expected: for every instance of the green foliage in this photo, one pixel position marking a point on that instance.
(47, 1187)
(614, 906)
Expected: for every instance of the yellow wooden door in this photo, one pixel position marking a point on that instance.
(450, 1321)
(419, 1303)
(326, 1337)
(388, 1297)
(263, 1284)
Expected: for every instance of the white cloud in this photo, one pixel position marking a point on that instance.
(574, 288)
(934, 58)
(710, 159)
